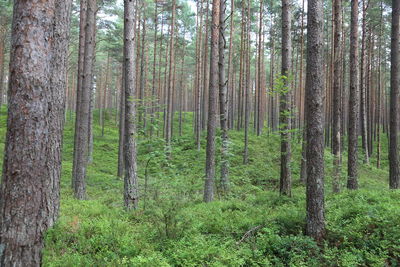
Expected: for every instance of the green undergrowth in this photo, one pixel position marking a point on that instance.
(251, 226)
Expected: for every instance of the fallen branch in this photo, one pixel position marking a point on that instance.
(249, 233)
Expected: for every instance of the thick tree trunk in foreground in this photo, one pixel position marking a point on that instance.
(354, 100)
(315, 121)
(30, 189)
(285, 97)
(212, 104)
(82, 129)
(394, 171)
(131, 190)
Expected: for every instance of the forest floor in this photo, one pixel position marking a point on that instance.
(252, 226)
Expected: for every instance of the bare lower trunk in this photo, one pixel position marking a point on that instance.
(336, 95)
(394, 171)
(30, 195)
(285, 101)
(363, 86)
(82, 135)
(153, 88)
(121, 128)
(131, 190)
(247, 86)
(223, 101)
(260, 91)
(315, 121)
(2, 63)
(379, 101)
(171, 82)
(212, 112)
(354, 101)
(81, 55)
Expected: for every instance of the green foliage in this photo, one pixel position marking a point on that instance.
(175, 228)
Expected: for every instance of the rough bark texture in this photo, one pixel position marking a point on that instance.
(337, 112)
(315, 120)
(285, 97)
(31, 172)
(131, 190)
(223, 101)
(212, 104)
(354, 100)
(394, 171)
(82, 129)
(2, 52)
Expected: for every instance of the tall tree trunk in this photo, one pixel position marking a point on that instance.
(212, 104)
(30, 194)
(131, 190)
(231, 81)
(141, 120)
(272, 80)
(82, 129)
(2, 53)
(241, 70)
(354, 101)
(153, 87)
(285, 97)
(379, 101)
(394, 170)
(223, 100)
(90, 124)
(198, 76)
(315, 121)
(301, 89)
(104, 104)
(363, 87)
(302, 119)
(81, 55)
(247, 85)
(205, 69)
(171, 81)
(260, 90)
(181, 91)
(336, 94)
(92, 97)
(121, 127)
